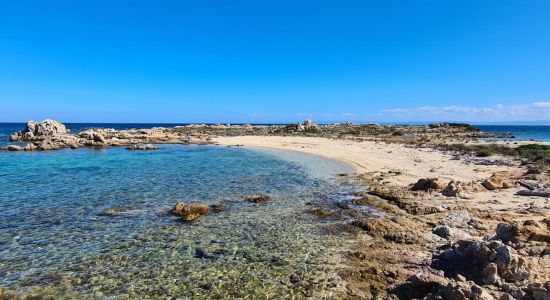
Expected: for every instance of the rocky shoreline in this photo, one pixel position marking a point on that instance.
(448, 224)
(442, 247)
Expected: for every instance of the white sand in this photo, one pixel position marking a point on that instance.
(369, 156)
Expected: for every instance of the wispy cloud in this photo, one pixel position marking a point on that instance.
(517, 112)
(349, 114)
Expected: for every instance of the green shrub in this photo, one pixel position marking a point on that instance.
(311, 130)
(486, 152)
(534, 153)
(397, 133)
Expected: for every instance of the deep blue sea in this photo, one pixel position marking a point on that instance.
(54, 240)
(521, 132)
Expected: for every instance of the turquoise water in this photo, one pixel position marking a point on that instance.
(54, 241)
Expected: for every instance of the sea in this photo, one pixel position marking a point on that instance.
(56, 241)
(520, 132)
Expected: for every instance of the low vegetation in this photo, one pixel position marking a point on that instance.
(536, 154)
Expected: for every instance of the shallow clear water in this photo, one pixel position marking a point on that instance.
(54, 240)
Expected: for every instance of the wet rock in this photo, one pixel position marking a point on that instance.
(364, 200)
(209, 251)
(30, 147)
(426, 210)
(343, 205)
(217, 208)
(190, 212)
(428, 184)
(256, 198)
(497, 182)
(114, 212)
(14, 148)
(376, 203)
(142, 147)
(320, 212)
(178, 208)
(377, 226)
(397, 230)
(49, 145)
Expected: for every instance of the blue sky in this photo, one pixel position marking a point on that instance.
(274, 61)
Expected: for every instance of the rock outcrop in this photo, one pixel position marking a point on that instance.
(428, 184)
(308, 125)
(189, 212)
(461, 189)
(514, 264)
(496, 182)
(52, 135)
(39, 131)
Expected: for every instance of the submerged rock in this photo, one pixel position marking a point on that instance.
(257, 198)
(217, 208)
(14, 148)
(320, 212)
(115, 212)
(209, 251)
(190, 212)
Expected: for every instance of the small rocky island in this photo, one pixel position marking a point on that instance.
(52, 135)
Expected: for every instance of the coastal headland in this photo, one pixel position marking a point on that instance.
(458, 218)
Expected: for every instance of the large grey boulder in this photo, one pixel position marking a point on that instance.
(39, 131)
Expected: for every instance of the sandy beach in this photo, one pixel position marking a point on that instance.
(411, 162)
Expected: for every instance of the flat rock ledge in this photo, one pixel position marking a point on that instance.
(142, 147)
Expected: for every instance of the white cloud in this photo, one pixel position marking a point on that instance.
(514, 112)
